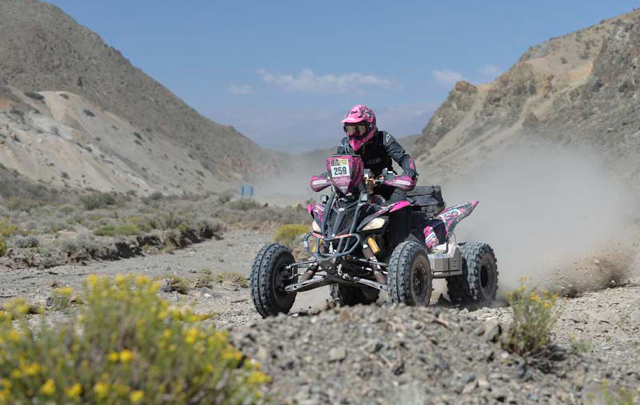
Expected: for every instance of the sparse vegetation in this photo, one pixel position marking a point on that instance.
(97, 200)
(116, 230)
(534, 314)
(177, 284)
(123, 332)
(287, 234)
(244, 204)
(232, 279)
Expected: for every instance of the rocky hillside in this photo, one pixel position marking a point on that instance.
(580, 89)
(74, 112)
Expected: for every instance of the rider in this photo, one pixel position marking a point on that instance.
(376, 148)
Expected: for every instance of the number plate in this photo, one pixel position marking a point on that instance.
(340, 168)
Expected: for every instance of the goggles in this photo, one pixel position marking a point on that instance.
(356, 130)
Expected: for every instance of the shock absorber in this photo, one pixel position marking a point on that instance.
(369, 249)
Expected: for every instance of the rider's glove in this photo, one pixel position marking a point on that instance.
(410, 173)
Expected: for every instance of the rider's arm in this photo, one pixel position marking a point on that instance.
(397, 153)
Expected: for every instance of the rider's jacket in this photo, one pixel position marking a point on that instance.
(377, 154)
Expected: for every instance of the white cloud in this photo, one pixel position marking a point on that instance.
(241, 89)
(491, 71)
(308, 82)
(447, 77)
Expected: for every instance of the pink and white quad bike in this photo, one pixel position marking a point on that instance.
(360, 245)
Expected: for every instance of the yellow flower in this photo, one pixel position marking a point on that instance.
(257, 378)
(14, 336)
(49, 387)
(535, 297)
(126, 356)
(101, 389)
(74, 391)
(120, 279)
(66, 291)
(113, 357)
(31, 369)
(92, 280)
(192, 336)
(6, 384)
(166, 334)
(136, 396)
(15, 374)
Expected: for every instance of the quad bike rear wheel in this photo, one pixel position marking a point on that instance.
(478, 283)
(409, 277)
(269, 277)
(346, 295)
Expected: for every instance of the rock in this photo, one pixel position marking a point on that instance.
(337, 354)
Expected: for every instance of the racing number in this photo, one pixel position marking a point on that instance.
(339, 170)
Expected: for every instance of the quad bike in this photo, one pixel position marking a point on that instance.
(360, 245)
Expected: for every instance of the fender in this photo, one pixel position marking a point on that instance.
(384, 210)
(441, 227)
(317, 212)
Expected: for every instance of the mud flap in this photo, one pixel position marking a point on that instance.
(438, 229)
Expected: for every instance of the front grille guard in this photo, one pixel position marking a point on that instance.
(348, 243)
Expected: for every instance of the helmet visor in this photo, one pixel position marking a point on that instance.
(356, 130)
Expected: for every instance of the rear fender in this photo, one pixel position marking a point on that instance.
(442, 226)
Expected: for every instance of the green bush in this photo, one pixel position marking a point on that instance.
(98, 200)
(126, 346)
(3, 247)
(7, 228)
(287, 234)
(534, 315)
(116, 230)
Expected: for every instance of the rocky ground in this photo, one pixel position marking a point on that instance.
(385, 354)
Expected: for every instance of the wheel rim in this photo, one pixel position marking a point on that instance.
(420, 281)
(280, 281)
(487, 278)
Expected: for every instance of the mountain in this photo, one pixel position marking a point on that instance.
(581, 89)
(74, 112)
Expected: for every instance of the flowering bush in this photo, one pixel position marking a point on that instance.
(534, 315)
(126, 346)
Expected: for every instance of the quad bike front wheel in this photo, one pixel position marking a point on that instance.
(409, 277)
(478, 283)
(346, 295)
(269, 277)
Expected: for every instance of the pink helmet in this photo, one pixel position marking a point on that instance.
(359, 125)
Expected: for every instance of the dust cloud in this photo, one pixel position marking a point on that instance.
(546, 211)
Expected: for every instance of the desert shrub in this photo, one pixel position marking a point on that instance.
(534, 315)
(177, 284)
(3, 247)
(231, 278)
(287, 234)
(7, 228)
(126, 346)
(156, 196)
(170, 220)
(60, 299)
(225, 197)
(20, 203)
(25, 242)
(83, 248)
(116, 230)
(56, 225)
(98, 200)
(617, 395)
(244, 204)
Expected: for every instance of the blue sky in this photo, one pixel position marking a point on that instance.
(284, 73)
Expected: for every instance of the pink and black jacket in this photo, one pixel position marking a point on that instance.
(378, 153)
